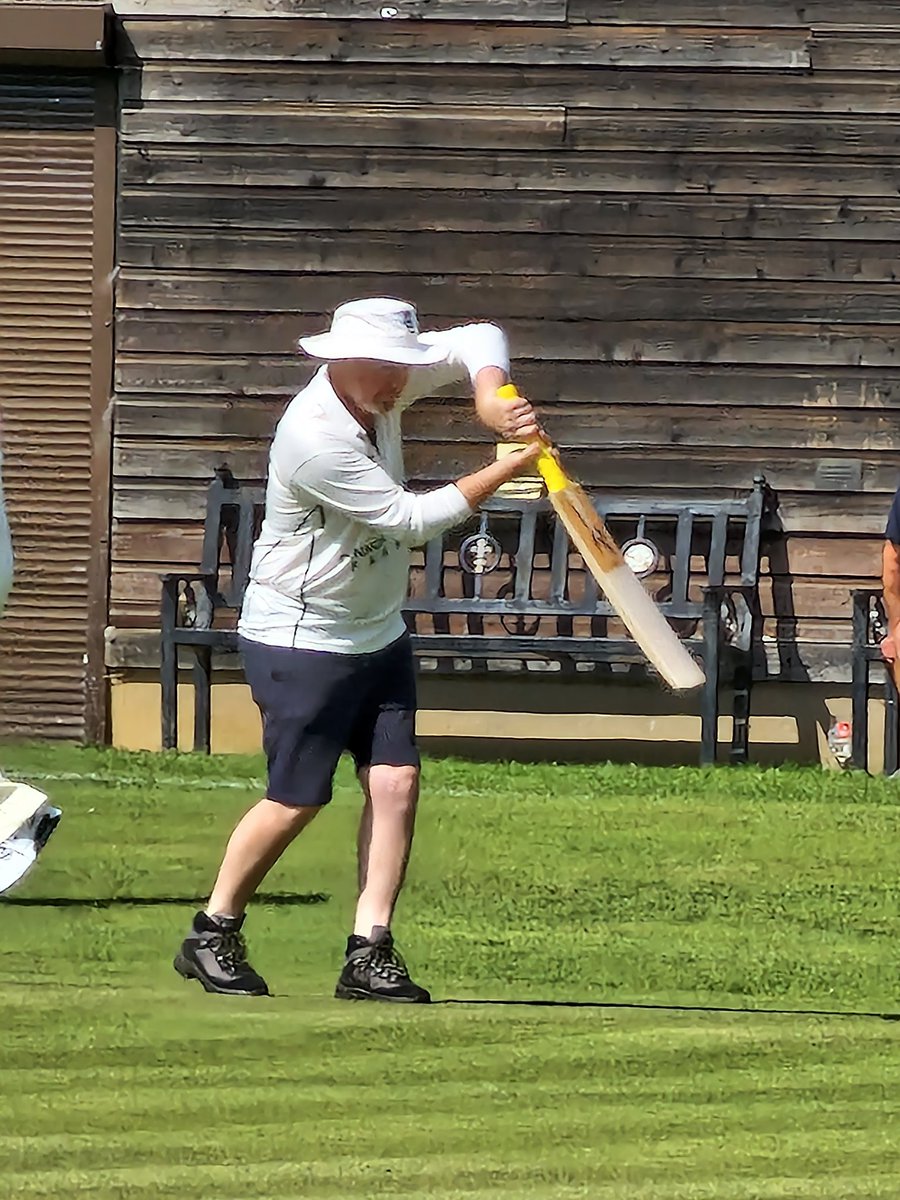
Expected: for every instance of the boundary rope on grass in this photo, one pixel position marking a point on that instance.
(139, 780)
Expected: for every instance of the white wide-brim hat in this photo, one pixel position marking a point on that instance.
(381, 330)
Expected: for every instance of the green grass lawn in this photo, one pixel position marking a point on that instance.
(614, 888)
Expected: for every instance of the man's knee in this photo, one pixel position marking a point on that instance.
(394, 786)
(291, 817)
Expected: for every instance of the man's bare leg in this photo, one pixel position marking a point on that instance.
(214, 952)
(373, 969)
(385, 838)
(259, 840)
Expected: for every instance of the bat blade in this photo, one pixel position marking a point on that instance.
(603, 558)
(625, 592)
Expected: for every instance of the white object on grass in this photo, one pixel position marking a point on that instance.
(26, 822)
(18, 804)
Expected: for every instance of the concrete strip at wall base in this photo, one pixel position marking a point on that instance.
(536, 721)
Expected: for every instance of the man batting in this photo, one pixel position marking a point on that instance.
(323, 641)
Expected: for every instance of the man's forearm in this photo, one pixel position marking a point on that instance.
(481, 350)
(478, 486)
(890, 579)
(892, 607)
(487, 404)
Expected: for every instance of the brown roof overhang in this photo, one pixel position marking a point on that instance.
(55, 35)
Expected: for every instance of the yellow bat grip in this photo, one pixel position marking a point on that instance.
(551, 472)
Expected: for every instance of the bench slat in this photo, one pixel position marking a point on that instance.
(681, 568)
(525, 556)
(716, 563)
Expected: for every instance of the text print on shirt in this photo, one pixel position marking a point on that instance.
(367, 552)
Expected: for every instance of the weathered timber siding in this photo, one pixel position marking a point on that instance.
(51, 194)
(685, 213)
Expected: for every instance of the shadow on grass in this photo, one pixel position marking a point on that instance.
(265, 899)
(614, 1005)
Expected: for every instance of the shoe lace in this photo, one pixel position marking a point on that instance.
(387, 962)
(230, 950)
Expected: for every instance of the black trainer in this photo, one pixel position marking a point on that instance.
(215, 953)
(374, 970)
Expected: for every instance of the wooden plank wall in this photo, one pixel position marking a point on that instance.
(689, 229)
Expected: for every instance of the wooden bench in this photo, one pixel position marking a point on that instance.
(507, 592)
(869, 628)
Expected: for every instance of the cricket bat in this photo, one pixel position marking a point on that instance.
(603, 558)
(18, 804)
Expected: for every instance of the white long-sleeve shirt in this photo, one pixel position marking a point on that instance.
(330, 568)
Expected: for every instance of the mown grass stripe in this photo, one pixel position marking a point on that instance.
(614, 885)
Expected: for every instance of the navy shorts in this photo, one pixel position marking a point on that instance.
(315, 705)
